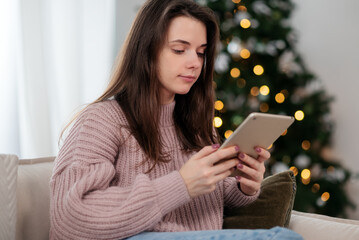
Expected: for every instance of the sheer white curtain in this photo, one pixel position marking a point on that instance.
(54, 56)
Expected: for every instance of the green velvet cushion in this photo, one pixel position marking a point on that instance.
(272, 208)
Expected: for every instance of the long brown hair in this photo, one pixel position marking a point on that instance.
(135, 83)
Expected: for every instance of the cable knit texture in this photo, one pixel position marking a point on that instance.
(100, 189)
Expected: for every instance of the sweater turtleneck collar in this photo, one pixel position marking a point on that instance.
(166, 115)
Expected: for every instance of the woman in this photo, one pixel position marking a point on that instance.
(141, 160)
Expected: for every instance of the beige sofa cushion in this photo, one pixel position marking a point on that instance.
(8, 176)
(320, 227)
(33, 198)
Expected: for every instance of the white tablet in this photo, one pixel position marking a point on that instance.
(258, 129)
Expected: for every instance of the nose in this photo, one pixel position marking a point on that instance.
(194, 61)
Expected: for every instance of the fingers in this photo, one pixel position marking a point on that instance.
(263, 154)
(225, 166)
(252, 171)
(252, 167)
(222, 175)
(249, 172)
(250, 179)
(206, 151)
(210, 165)
(223, 154)
(248, 186)
(248, 161)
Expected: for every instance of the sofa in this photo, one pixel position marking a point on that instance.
(24, 202)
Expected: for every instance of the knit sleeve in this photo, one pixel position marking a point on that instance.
(84, 204)
(233, 196)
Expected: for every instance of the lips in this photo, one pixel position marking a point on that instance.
(188, 78)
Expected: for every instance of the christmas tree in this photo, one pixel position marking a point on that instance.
(259, 70)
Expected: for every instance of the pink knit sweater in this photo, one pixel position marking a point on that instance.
(99, 189)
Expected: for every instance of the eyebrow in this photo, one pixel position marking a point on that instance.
(185, 42)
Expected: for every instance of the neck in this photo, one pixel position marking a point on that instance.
(166, 97)
(166, 115)
(169, 100)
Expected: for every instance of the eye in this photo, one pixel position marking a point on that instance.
(200, 54)
(177, 51)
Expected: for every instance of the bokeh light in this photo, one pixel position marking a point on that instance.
(264, 90)
(294, 170)
(258, 70)
(315, 188)
(264, 107)
(305, 174)
(245, 23)
(245, 53)
(325, 196)
(241, 83)
(306, 181)
(254, 91)
(218, 105)
(242, 8)
(235, 72)
(299, 115)
(217, 122)
(237, 119)
(306, 145)
(228, 133)
(279, 97)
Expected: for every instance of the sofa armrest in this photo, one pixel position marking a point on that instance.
(320, 227)
(33, 198)
(8, 179)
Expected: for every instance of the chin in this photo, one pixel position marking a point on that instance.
(184, 92)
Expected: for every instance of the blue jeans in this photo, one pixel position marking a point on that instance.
(226, 234)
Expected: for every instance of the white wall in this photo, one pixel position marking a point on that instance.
(126, 13)
(328, 41)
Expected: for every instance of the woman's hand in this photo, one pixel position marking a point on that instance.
(200, 173)
(253, 171)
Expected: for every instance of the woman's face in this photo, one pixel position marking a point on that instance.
(181, 58)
